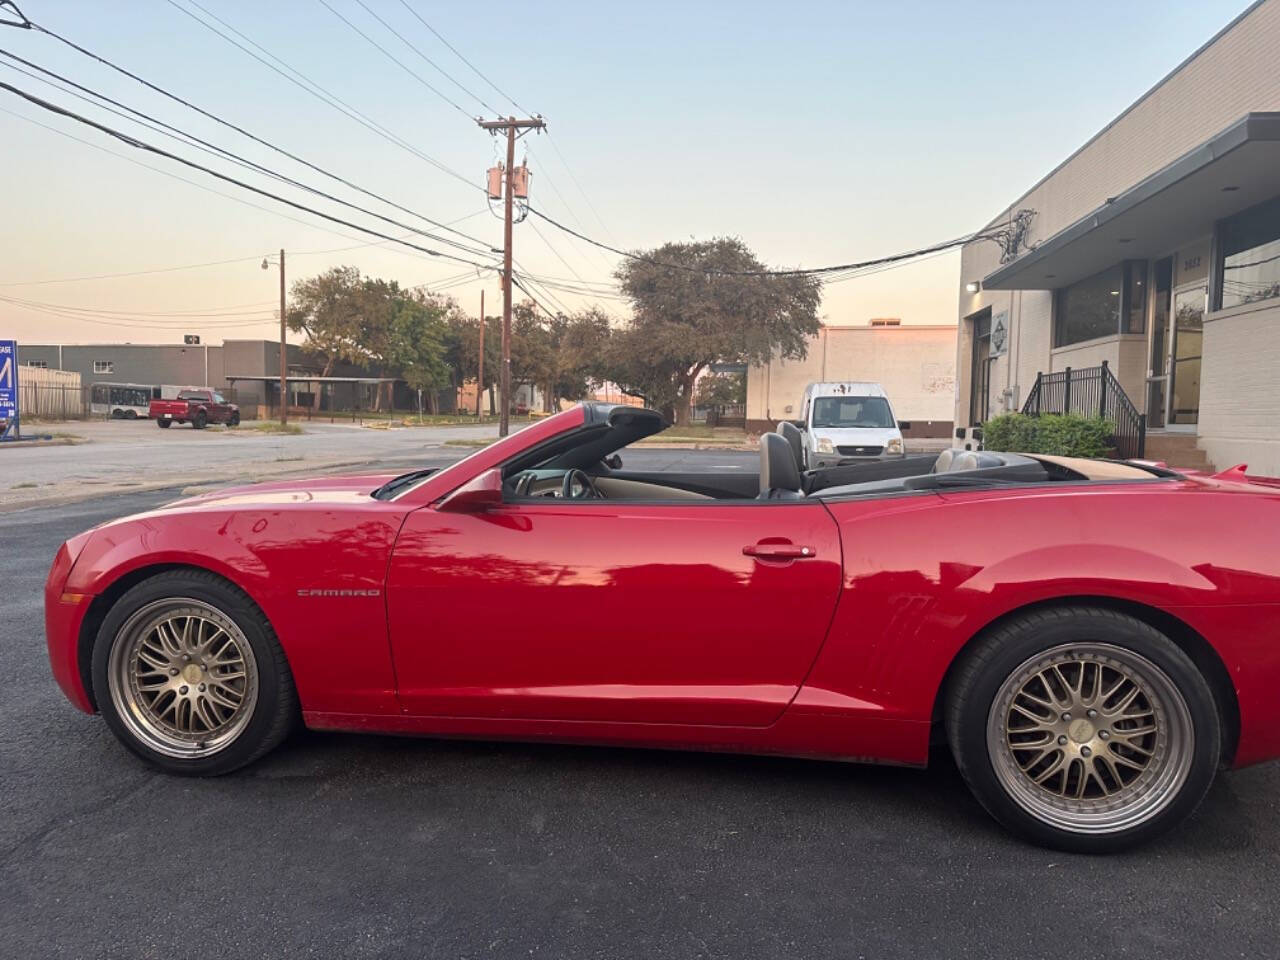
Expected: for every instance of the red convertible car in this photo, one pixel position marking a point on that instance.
(1093, 640)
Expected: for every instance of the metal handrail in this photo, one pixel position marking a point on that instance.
(1091, 392)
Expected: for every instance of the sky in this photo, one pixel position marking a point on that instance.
(817, 132)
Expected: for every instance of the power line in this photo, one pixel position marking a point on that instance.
(188, 139)
(392, 57)
(591, 206)
(474, 68)
(174, 176)
(151, 148)
(419, 52)
(222, 121)
(305, 83)
(810, 271)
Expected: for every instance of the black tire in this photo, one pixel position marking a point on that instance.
(275, 712)
(1007, 649)
(200, 420)
(164, 424)
(233, 420)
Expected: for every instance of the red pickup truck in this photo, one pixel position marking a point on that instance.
(197, 407)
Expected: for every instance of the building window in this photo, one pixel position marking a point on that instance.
(1250, 244)
(1103, 305)
(39, 364)
(104, 366)
(1135, 297)
(1089, 308)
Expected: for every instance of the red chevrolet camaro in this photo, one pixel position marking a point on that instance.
(1093, 640)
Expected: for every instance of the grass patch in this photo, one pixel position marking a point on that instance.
(270, 427)
(23, 486)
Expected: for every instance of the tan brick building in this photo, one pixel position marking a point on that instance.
(1155, 247)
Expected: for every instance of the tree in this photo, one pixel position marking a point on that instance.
(331, 310)
(686, 317)
(419, 343)
(722, 390)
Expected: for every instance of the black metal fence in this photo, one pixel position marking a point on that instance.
(1091, 392)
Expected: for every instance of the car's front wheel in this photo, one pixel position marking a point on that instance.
(188, 675)
(1083, 729)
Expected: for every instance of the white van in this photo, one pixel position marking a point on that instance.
(846, 422)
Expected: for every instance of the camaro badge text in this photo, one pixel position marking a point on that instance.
(319, 592)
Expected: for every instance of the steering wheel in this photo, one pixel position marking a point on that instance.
(577, 486)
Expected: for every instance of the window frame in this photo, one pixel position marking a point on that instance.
(1130, 271)
(104, 366)
(1217, 273)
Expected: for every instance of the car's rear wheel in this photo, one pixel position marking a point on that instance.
(200, 420)
(188, 674)
(164, 424)
(1083, 729)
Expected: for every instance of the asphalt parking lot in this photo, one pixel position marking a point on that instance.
(348, 846)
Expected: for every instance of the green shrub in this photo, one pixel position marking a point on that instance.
(1063, 435)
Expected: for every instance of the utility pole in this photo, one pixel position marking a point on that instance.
(284, 353)
(284, 346)
(510, 125)
(480, 375)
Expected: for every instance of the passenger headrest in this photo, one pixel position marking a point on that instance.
(791, 433)
(970, 460)
(943, 463)
(778, 469)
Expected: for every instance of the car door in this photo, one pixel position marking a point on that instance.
(606, 611)
(219, 410)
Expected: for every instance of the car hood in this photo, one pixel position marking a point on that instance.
(354, 488)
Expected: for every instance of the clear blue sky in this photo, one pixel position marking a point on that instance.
(818, 132)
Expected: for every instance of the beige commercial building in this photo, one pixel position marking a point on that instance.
(915, 363)
(1155, 249)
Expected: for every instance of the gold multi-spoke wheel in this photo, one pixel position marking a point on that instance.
(183, 677)
(1090, 737)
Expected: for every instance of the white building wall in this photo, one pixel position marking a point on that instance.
(914, 363)
(1242, 347)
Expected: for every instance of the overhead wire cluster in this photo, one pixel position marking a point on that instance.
(459, 247)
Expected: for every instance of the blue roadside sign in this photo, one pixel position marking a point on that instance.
(8, 380)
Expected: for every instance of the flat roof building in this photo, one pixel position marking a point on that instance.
(915, 363)
(1153, 249)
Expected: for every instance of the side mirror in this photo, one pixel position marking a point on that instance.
(904, 424)
(613, 461)
(476, 495)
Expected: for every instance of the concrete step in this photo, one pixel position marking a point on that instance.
(1178, 450)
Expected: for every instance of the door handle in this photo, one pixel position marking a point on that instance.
(779, 551)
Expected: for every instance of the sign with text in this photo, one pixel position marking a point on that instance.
(8, 379)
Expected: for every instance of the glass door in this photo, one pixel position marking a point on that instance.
(1184, 360)
(1158, 372)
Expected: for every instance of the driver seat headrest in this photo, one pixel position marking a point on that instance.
(779, 473)
(791, 433)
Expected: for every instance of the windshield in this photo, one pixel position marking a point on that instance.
(871, 412)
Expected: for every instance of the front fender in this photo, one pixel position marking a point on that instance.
(316, 574)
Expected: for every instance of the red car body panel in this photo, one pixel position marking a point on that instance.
(615, 612)
(647, 624)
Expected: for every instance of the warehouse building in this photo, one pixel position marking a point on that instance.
(915, 363)
(246, 370)
(1148, 265)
